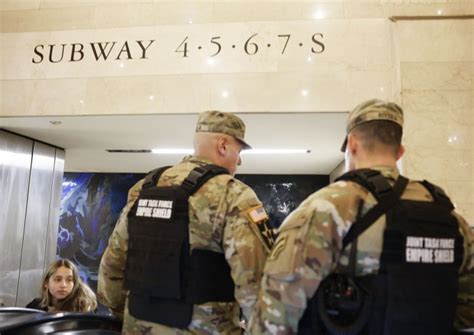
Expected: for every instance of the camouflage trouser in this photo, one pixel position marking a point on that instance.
(204, 325)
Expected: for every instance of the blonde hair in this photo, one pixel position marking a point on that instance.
(81, 298)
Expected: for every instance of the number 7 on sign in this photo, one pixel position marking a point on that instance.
(286, 42)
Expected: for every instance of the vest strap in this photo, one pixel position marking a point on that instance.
(387, 200)
(195, 179)
(372, 180)
(199, 175)
(152, 177)
(438, 194)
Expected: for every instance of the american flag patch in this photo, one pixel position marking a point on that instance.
(257, 214)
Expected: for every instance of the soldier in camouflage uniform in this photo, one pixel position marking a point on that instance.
(225, 216)
(309, 246)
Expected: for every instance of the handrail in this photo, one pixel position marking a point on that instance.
(20, 310)
(61, 321)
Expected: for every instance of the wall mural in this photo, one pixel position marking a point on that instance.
(91, 204)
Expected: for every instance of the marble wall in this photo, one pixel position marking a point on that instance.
(437, 88)
(236, 80)
(427, 65)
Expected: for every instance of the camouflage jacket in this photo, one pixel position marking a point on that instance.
(308, 249)
(221, 220)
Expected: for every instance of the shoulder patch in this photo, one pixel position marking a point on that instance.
(257, 214)
(260, 225)
(278, 248)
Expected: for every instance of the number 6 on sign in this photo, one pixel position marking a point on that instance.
(254, 45)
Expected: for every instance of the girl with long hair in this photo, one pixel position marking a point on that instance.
(62, 290)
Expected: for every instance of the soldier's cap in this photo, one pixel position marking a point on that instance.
(225, 123)
(373, 110)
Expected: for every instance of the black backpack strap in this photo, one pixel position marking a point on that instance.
(384, 204)
(438, 194)
(199, 175)
(152, 177)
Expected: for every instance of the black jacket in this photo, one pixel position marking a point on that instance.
(35, 304)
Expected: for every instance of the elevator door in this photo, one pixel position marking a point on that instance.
(30, 187)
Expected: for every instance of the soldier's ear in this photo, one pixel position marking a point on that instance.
(352, 143)
(222, 146)
(401, 151)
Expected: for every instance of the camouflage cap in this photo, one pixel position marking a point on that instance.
(225, 123)
(373, 110)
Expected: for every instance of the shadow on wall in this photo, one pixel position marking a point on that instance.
(91, 204)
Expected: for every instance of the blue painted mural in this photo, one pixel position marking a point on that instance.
(91, 204)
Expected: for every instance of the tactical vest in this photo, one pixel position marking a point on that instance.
(415, 290)
(165, 280)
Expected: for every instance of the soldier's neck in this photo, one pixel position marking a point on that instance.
(370, 162)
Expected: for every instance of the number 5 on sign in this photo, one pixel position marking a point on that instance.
(214, 41)
(184, 48)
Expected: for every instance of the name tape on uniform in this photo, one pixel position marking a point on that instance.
(429, 250)
(152, 208)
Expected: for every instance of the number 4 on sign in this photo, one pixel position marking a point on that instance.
(184, 47)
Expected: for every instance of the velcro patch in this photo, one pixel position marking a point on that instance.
(260, 224)
(257, 214)
(152, 208)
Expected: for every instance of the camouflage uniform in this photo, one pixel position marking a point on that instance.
(309, 245)
(221, 220)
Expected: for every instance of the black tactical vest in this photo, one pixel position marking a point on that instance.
(164, 278)
(415, 290)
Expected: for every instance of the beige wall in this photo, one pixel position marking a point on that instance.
(41, 15)
(429, 69)
(437, 72)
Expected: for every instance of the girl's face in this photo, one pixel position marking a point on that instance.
(61, 283)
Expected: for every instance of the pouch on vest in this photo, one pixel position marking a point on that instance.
(163, 278)
(415, 290)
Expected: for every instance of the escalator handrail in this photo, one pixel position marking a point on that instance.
(23, 310)
(33, 319)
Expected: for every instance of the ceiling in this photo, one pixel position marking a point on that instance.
(86, 139)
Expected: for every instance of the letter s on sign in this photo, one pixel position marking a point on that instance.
(319, 43)
(38, 53)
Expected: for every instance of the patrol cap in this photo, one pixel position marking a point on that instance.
(221, 122)
(373, 110)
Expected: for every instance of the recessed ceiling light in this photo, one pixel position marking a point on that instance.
(188, 151)
(172, 151)
(129, 151)
(249, 152)
(276, 151)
